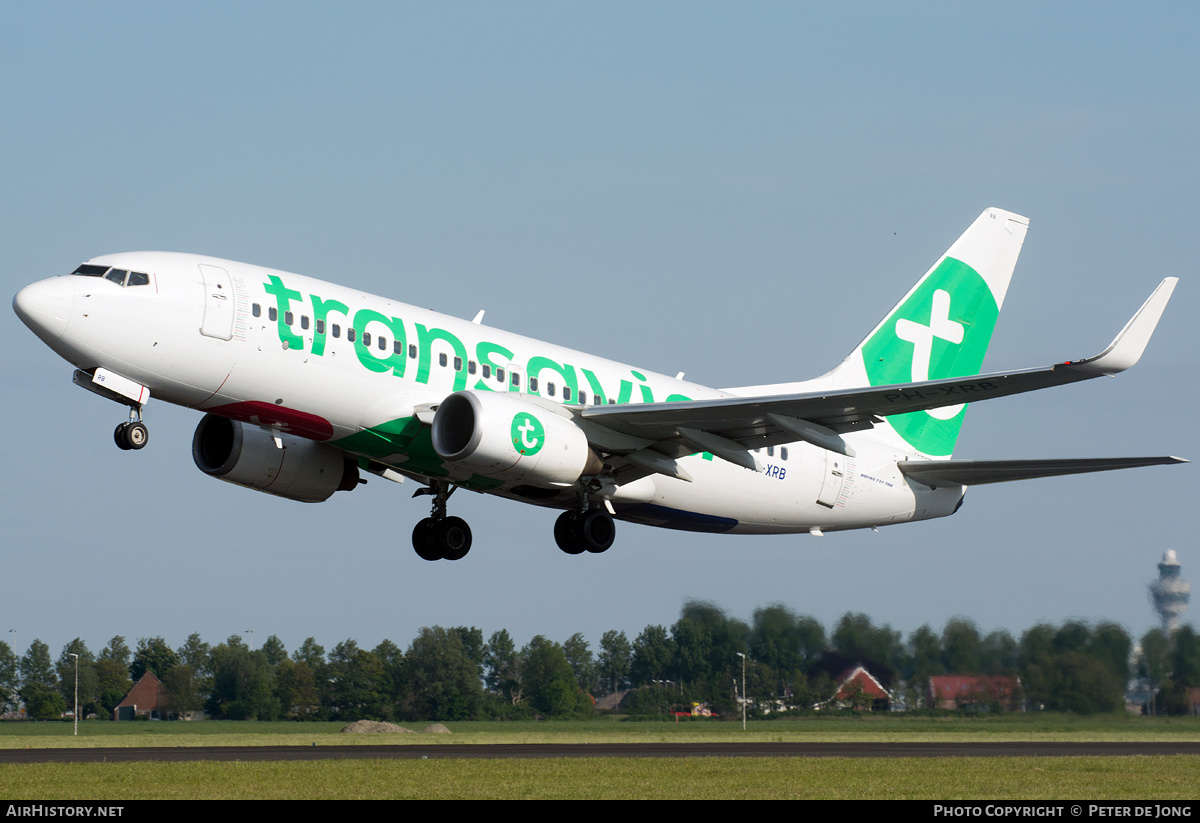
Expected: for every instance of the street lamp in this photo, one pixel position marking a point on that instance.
(76, 692)
(739, 654)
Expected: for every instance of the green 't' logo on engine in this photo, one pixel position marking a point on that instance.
(941, 330)
(528, 435)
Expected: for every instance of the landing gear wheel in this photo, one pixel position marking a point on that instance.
(423, 540)
(137, 435)
(131, 436)
(452, 537)
(595, 531)
(564, 533)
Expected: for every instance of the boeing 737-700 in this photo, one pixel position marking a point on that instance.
(306, 386)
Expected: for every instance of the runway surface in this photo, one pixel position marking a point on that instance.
(538, 750)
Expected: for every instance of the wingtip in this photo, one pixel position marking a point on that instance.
(1127, 347)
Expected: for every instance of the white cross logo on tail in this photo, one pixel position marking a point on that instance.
(941, 327)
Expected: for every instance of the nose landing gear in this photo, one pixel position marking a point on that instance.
(132, 435)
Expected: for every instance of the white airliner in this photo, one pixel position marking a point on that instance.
(306, 385)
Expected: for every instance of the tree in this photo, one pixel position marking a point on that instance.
(274, 650)
(653, 656)
(310, 652)
(10, 680)
(443, 680)
(116, 651)
(550, 681)
(297, 692)
(614, 660)
(962, 648)
(857, 640)
(502, 667)
(88, 680)
(181, 691)
(243, 684)
(39, 684)
(924, 656)
(153, 655)
(579, 656)
(355, 678)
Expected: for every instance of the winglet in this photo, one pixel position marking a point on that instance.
(1128, 346)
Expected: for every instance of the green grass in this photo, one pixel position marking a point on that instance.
(1023, 778)
(879, 728)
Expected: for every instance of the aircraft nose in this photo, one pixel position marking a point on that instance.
(45, 306)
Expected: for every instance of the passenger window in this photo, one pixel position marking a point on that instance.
(304, 321)
(516, 380)
(458, 364)
(550, 389)
(350, 334)
(320, 327)
(783, 452)
(272, 314)
(500, 375)
(582, 398)
(770, 451)
(412, 351)
(442, 359)
(470, 367)
(566, 393)
(137, 278)
(337, 330)
(367, 339)
(487, 370)
(533, 384)
(288, 317)
(397, 347)
(256, 310)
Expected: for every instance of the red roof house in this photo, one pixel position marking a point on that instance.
(958, 691)
(141, 700)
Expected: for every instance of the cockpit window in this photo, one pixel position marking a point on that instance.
(121, 277)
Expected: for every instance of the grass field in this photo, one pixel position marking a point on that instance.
(1086, 778)
(1071, 778)
(838, 728)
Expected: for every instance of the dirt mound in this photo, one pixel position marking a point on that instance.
(435, 728)
(375, 727)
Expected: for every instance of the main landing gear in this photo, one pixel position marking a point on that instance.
(134, 434)
(592, 531)
(439, 537)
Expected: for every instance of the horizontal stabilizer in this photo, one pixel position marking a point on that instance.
(979, 472)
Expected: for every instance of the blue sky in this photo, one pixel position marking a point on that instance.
(738, 192)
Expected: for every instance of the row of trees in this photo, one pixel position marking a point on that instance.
(454, 673)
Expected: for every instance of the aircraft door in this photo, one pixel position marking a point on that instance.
(219, 303)
(832, 478)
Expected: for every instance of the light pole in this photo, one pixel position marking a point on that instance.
(739, 654)
(76, 692)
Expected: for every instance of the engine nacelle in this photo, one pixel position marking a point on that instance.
(247, 455)
(501, 435)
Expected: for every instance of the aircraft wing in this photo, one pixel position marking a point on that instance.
(728, 426)
(979, 472)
